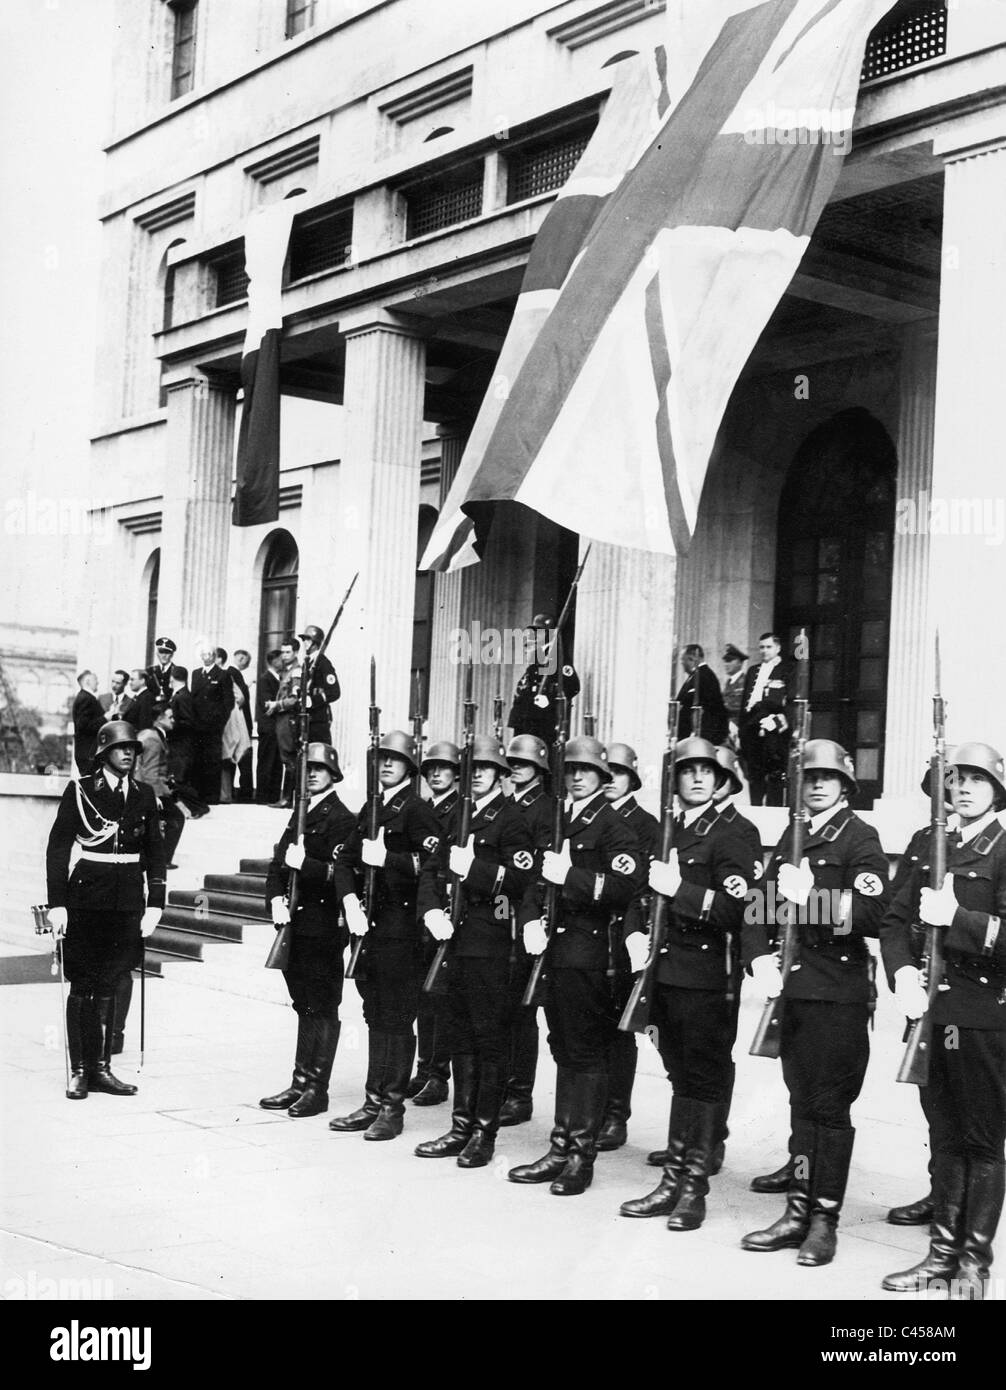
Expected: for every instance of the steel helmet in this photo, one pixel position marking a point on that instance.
(622, 757)
(487, 749)
(402, 745)
(528, 748)
(727, 759)
(443, 752)
(986, 759)
(696, 750)
(312, 633)
(117, 733)
(324, 755)
(589, 752)
(825, 755)
(541, 620)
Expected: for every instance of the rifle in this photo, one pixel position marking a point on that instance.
(768, 1034)
(279, 953)
(549, 913)
(696, 703)
(435, 982)
(498, 716)
(418, 720)
(636, 1015)
(589, 721)
(915, 1064)
(373, 818)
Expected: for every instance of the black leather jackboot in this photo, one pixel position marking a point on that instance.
(377, 1052)
(707, 1121)
(791, 1228)
(479, 1150)
(548, 1167)
(950, 1179)
(590, 1091)
(452, 1143)
(829, 1173)
(99, 1071)
(389, 1121)
(324, 1041)
(282, 1100)
(661, 1201)
(76, 1006)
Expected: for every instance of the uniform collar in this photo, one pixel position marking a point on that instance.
(388, 794)
(972, 831)
(817, 823)
(577, 808)
(318, 798)
(622, 801)
(114, 783)
(439, 800)
(480, 805)
(693, 813)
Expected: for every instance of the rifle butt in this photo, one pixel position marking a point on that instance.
(535, 983)
(436, 982)
(279, 952)
(768, 1035)
(354, 958)
(914, 1069)
(636, 1014)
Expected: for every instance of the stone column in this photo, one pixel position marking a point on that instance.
(623, 643)
(967, 558)
(909, 661)
(197, 514)
(377, 531)
(444, 701)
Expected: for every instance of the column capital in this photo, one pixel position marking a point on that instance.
(198, 381)
(378, 320)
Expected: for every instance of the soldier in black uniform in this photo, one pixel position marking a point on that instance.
(101, 907)
(408, 834)
(527, 757)
(825, 1029)
(323, 685)
(625, 780)
(533, 708)
(965, 1099)
(314, 972)
(707, 877)
(429, 1086)
(160, 673)
(599, 870)
(494, 869)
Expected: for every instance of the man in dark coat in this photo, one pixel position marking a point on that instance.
(714, 712)
(138, 709)
(268, 768)
(533, 708)
(764, 723)
(159, 674)
(88, 717)
(213, 699)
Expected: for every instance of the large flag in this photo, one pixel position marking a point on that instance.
(604, 415)
(267, 235)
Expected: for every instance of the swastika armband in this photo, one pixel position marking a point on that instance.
(991, 935)
(869, 885)
(623, 864)
(523, 859)
(735, 885)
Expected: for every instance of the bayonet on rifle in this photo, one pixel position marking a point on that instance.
(436, 981)
(769, 1032)
(373, 818)
(914, 1067)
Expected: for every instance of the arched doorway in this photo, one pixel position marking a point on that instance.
(278, 610)
(836, 530)
(153, 577)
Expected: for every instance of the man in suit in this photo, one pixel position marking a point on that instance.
(245, 786)
(88, 717)
(764, 726)
(714, 714)
(152, 769)
(138, 708)
(159, 674)
(268, 769)
(241, 700)
(114, 701)
(213, 700)
(733, 689)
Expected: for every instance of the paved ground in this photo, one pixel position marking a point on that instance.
(190, 1191)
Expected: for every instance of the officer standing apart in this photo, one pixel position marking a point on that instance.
(493, 869)
(314, 972)
(825, 1041)
(598, 870)
(533, 708)
(100, 909)
(408, 834)
(965, 1100)
(429, 1086)
(625, 781)
(527, 757)
(764, 723)
(323, 685)
(698, 976)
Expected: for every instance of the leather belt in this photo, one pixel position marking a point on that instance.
(109, 858)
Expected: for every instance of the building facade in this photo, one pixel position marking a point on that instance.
(857, 483)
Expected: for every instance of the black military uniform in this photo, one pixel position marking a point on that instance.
(533, 708)
(323, 686)
(693, 1013)
(159, 674)
(965, 1098)
(314, 972)
(622, 1054)
(535, 805)
(118, 832)
(828, 1001)
(429, 1086)
(394, 945)
(606, 874)
(478, 978)
(765, 750)
(212, 700)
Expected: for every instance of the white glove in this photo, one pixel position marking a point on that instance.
(149, 920)
(638, 947)
(58, 918)
(767, 976)
(938, 905)
(535, 937)
(556, 866)
(795, 883)
(461, 858)
(356, 918)
(665, 875)
(374, 852)
(294, 858)
(438, 924)
(280, 912)
(909, 995)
